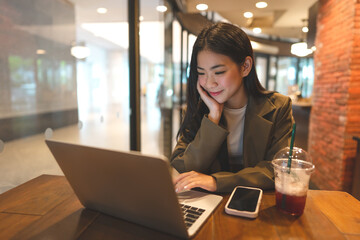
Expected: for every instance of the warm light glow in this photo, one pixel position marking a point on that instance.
(80, 52)
(255, 45)
(152, 31)
(141, 18)
(261, 4)
(257, 30)
(305, 29)
(169, 92)
(202, 7)
(313, 48)
(300, 49)
(161, 8)
(40, 51)
(102, 10)
(106, 31)
(248, 14)
(264, 48)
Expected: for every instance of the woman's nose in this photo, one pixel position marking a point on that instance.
(210, 82)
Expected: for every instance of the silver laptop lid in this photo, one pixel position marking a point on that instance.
(127, 185)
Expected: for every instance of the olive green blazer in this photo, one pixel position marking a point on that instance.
(268, 126)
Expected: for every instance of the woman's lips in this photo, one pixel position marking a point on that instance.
(215, 93)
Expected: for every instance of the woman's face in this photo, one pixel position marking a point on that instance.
(222, 78)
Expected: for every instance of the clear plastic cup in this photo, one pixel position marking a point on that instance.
(292, 184)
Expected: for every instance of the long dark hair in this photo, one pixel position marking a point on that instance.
(226, 39)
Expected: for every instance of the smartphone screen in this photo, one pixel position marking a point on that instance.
(244, 199)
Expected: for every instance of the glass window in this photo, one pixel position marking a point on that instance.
(176, 43)
(63, 76)
(192, 39)
(306, 76)
(178, 82)
(272, 73)
(185, 64)
(286, 75)
(261, 69)
(152, 38)
(102, 76)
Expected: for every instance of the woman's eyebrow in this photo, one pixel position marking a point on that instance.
(217, 66)
(213, 67)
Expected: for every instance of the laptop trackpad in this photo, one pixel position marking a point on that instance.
(199, 198)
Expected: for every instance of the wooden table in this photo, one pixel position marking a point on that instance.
(47, 208)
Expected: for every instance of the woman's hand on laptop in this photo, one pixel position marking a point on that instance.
(189, 180)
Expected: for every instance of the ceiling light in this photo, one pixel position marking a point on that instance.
(40, 51)
(141, 18)
(102, 10)
(161, 8)
(169, 92)
(261, 4)
(248, 14)
(80, 51)
(202, 7)
(300, 49)
(305, 29)
(257, 30)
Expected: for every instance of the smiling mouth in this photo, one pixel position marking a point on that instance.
(215, 93)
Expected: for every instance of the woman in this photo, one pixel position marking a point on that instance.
(232, 127)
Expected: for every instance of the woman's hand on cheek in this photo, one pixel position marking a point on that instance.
(215, 108)
(189, 180)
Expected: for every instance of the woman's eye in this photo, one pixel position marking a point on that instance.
(218, 73)
(199, 73)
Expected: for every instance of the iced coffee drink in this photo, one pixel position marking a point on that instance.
(292, 183)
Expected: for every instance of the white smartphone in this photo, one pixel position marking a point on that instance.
(244, 201)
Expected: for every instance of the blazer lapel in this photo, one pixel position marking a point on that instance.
(256, 130)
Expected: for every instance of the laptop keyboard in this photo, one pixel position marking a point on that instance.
(191, 214)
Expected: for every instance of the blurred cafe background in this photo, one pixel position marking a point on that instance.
(113, 74)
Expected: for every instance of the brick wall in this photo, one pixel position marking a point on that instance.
(335, 115)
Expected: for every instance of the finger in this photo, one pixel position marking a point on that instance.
(187, 182)
(190, 184)
(199, 183)
(200, 90)
(198, 86)
(209, 101)
(200, 180)
(182, 184)
(183, 175)
(180, 177)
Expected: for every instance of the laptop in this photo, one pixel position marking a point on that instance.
(134, 187)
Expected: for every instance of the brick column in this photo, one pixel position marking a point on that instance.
(335, 115)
